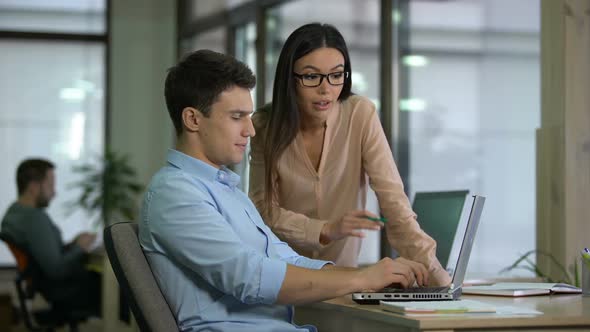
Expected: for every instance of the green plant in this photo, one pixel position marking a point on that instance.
(108, 188)
(569, 276)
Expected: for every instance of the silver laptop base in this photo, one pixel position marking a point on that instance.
(374, 298)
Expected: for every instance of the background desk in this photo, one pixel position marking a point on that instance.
(560, 313)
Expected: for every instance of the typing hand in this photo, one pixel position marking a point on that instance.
(351, 224)
(384, 273)
(418, 269)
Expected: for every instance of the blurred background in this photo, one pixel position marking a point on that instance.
(471, 95)
(458, 93)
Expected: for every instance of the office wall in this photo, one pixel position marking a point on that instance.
(142, 48)
(563, 158)
(142, 45)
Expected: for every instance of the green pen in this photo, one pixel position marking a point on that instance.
(383, 220)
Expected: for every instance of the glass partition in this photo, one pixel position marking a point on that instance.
(66, 16)
(473, 105)
(245, 47)
(214, 39)
(52, 101)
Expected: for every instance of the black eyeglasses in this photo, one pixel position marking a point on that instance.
(312, 80)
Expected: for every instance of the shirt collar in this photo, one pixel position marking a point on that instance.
(197, 167)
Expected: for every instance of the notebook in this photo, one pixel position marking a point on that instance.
(517, 289)
(452, 292)
(437, 308)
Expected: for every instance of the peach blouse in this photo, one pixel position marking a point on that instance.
(355, 149)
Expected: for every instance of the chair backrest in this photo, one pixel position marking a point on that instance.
(26, 268)
(23, 282)
(136, 279)
(439, 214)
(20, 256)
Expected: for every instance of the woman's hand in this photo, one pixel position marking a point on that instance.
(351, 224)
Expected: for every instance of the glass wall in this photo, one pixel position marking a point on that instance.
(66, 16)
(214, 39)
(245, 51)
(473, 107)
(197, 9)
(52, 97)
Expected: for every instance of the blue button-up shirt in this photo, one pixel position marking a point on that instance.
(218, 265)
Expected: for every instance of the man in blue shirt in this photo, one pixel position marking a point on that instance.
(217, 263)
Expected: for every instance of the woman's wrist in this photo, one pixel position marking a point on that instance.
(324, 237)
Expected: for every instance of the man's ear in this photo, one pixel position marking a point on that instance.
(191, 119)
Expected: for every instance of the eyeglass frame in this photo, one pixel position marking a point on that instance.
(322, 76)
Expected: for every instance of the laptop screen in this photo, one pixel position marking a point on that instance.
(439, 213)
(468, 237)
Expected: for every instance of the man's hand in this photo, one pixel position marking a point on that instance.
(85, 240)
(400, 271)
(351, 224)
(384, 273)
(418, 269)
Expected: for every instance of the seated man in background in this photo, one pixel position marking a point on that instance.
(218, 265)
(62, 277)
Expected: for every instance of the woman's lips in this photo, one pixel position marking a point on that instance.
(322, 105)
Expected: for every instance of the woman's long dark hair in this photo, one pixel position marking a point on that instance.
(283, 119)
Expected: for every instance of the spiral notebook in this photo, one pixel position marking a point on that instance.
(437, 307)
(517, 289)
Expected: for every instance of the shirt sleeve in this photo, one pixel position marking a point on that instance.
(47, 249)
(289, 255)
(186, 225)
(403, 231)
(296, 229)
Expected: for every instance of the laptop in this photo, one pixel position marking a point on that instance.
(439, 213)
(451, 292)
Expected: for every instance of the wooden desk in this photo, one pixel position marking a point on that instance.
(560, 313)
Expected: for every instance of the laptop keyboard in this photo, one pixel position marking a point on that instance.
(415, 290)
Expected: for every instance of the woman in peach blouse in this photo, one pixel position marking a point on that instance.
(316, 150)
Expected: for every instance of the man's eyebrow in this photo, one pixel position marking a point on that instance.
(317, 69)
(247, 112)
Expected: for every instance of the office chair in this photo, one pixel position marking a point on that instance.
(25, 282)
(439, 214)
(136, 279)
